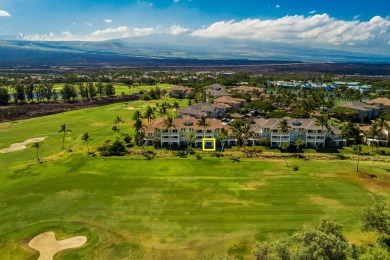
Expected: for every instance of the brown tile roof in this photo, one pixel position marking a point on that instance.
(294, 123)
(180, 88)
(229, 100)
(382, 100)
(247, 89)
(188, 122)
(356, 105)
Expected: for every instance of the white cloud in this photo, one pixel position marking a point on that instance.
(176, 1)
(356, 17)
(143, 31)
(277, 6)
(120, 29)
(177, 29)
(107, 20)
(320, 29)
(65, 36)
(4, 13)
(89, 24)
(313, 12)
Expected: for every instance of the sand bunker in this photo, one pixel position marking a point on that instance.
(130, 108)
(48, 246)
(21, 146)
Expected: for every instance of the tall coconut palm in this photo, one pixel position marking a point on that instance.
(222, 137)
(323, 122)
(358, 149)
(163, 109)
(237, 128)
(36, 146)
(349, 130)
(149, 114)
(374, 132)
(117, 121)
(382, 124)
(190, 141)
(169, 124)
(299, 143)
(176, 106)
(284, 147)
(246, 133)
(202, 122)
(137, 115)
(283, 126)
(139, 128)
(86, 138)
(64, 131)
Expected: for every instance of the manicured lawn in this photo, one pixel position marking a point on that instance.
(165, 208)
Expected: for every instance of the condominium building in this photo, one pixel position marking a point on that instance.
(181, 130)
(302, 128)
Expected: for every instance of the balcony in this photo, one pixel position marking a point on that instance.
(169, 140)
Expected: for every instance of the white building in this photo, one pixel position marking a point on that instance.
(303, 128)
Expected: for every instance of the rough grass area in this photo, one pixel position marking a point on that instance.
(166, 208)
(178, 208)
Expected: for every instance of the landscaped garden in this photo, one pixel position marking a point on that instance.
(170, 207)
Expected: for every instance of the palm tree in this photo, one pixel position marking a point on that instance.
(176, 106)
(299, 143)
(223, 136)
(265, 141)
(358, 149)
(139, 131)
(323, 122)
(163, 109)
(373, 132)
(117, 121)
(202, 122)
(246, 133)
(382, 123)
(149, 114)
(137, 115)
(64, 131)
(169, 124)
(190, 141)
(86, 137)
(349, 130)
(237, 129)
(36, 146)
(283, 126)
(284, 147)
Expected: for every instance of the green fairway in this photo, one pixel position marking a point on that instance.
(131, 208)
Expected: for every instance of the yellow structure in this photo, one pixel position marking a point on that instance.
(206, 142)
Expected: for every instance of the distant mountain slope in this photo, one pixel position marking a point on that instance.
(128, 50)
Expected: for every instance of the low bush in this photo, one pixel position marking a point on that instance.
(117, 148)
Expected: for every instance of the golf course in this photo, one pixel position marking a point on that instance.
(169, 207)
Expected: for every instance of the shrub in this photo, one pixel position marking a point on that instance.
(341, 156)
(127, 138)
(149, 155)
(117, 148)
(146, 97)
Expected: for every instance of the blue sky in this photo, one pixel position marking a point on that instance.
(361, 25)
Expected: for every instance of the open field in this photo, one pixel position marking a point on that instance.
(131, 208)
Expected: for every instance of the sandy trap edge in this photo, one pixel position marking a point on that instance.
(20, 146)
(47, 244)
